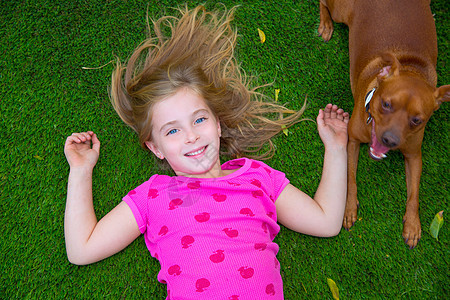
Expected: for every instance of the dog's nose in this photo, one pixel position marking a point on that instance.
(389, 139)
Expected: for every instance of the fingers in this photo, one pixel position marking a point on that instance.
(95, 143)
(342, 115)
(327, 110)
(332, 111)
(346, 116)
(320, 117)
(82, 137)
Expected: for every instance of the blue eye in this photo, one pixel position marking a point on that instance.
(173, 131)
(200, 120)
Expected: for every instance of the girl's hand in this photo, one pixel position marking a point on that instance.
(87, 240)
(332, 123)
(323, 215)
(78, 149)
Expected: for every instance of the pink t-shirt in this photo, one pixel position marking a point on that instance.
(214, 237)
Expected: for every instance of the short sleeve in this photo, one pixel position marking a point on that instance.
(137, 200)
(278, 180)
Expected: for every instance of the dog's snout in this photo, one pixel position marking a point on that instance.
(389, 139)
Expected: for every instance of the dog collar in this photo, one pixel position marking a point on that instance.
(367, 104)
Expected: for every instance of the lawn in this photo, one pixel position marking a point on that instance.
(51, 86)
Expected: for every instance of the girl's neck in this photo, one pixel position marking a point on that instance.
(215, 172)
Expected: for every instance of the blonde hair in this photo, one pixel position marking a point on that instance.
(198, 54)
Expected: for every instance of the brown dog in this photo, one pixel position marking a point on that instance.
(393, 53)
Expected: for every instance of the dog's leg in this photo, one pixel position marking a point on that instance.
(352, 200)
(338, 11)
(326, 23)
(411, 227)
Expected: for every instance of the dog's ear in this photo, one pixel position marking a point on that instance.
(441, 94)
(391, 66)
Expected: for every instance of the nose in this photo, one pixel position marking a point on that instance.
(191, 136)
(389, 139)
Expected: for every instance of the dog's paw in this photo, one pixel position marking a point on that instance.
(326, 23)
(412, 231)
(350, 216)
(326, 30)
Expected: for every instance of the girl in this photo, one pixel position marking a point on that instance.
(211, 226)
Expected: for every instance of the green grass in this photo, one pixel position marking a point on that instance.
(46, 95)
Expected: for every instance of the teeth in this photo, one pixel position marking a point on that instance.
(196, 152)
(382, 155)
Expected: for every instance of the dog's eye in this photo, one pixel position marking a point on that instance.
(386, 105)
(416, 121)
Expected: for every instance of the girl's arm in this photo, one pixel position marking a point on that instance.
(87, 240)
(323, 215)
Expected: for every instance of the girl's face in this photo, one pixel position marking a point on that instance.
(187, 134)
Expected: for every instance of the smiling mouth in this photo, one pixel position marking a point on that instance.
(377, 151)
(196, 152)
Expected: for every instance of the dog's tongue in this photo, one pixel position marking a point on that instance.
(377, 151)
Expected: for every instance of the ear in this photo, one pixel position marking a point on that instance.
(152, 147)
(391, 66)
(219, 130)
(441, 94)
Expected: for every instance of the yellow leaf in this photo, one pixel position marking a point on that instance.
(334, 289)
(262, 36)
(436, 224)
(285, 130)
(38, 157)
(277, 92)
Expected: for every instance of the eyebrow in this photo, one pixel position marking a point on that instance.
(168, 124)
